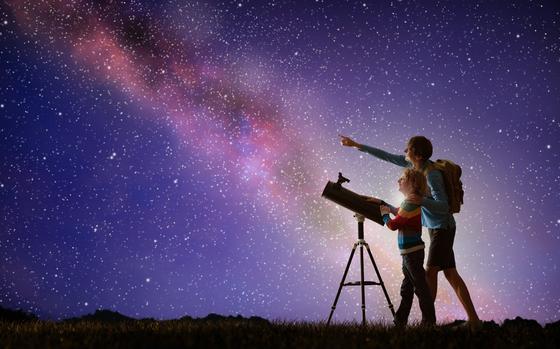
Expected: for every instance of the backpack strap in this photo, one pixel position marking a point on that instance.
(430, 166)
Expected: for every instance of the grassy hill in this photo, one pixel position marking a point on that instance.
(106, 329)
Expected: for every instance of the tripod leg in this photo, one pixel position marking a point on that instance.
(362, 286)
(380, 281)
(342, 283)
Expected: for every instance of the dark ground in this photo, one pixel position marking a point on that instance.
(106, 329)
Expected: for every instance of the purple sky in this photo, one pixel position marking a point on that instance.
(167, 158)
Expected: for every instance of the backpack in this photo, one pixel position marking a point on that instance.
(452, 178)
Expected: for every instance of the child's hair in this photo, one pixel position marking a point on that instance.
(417, 181)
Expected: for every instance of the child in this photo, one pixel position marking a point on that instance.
(411, 247)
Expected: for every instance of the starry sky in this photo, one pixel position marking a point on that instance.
(167, 158)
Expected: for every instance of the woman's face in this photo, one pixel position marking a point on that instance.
(407, 151)
(410, 156)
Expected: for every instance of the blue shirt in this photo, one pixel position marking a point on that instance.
(435, 210)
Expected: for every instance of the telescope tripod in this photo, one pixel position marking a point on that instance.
(361, 242)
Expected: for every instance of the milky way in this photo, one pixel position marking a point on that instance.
(167, 158)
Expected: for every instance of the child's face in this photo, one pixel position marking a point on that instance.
(404, 186)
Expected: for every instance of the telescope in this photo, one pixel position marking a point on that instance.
(357, 203)
(363, 209)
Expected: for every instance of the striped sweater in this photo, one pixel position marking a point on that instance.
(408, 222)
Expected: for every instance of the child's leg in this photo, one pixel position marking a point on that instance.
(407, 295)
(418, 278)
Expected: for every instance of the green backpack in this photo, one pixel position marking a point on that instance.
(452, 178)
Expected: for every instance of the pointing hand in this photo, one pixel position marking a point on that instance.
(347, 141)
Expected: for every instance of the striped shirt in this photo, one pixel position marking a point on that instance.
(409, 223)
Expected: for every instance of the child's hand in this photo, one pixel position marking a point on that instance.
(384, 210)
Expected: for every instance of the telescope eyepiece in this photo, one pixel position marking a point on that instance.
(341, 179)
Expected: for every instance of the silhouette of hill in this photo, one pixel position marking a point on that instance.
(520, 323)
(218, 318)
(109, 316)
(15, 315)
(553, 326)
(102, 316)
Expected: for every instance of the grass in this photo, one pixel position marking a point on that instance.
(236, 333)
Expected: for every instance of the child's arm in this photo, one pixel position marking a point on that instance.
(395, 223)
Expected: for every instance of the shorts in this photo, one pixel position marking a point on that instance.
(441, 248)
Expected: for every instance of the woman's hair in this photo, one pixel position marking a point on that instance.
(417, 181)
(421, 146)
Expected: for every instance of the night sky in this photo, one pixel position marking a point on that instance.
(167, 158)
